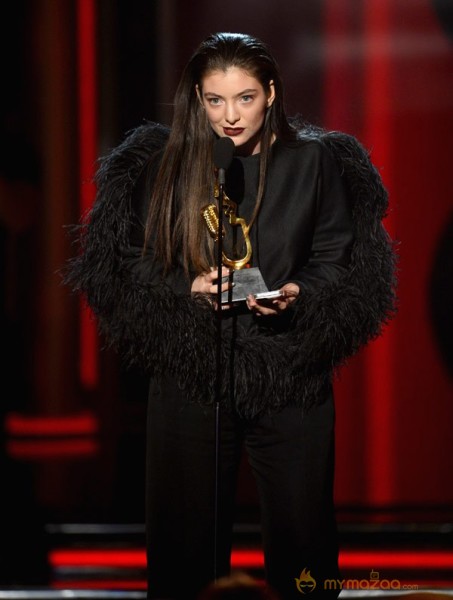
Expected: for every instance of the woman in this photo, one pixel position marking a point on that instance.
(313, 204)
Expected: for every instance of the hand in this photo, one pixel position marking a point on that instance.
(206, 283)
(289, 293)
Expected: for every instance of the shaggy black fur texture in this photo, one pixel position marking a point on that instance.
(176, 334)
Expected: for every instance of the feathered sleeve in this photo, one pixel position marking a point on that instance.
(333, 322)
(153, 322)
(352, 311)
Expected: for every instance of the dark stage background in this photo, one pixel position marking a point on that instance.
(76, 76)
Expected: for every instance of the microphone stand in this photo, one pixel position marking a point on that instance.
(221, 184)
(222, 156)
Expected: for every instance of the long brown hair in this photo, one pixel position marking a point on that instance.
(185, 180)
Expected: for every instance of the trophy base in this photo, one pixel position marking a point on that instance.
(246, 282)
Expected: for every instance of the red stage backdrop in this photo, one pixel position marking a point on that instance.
(388, 80)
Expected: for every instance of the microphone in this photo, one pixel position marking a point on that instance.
(223, 151)
(223, 155)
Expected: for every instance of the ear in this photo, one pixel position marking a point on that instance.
(271, 95)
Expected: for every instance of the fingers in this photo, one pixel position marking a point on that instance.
(260, 309)
(206, 283)
(289, 293)
(211, 280)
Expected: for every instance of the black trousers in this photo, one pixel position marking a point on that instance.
(292, 459)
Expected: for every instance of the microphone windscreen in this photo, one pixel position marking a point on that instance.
(223, 152)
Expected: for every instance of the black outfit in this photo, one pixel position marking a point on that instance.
(319, 226)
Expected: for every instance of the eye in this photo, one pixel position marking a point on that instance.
(246, 98)
(214, 101)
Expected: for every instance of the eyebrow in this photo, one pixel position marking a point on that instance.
(243, 93)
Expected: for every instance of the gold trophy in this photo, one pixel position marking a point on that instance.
(247, 280)
(211, 217)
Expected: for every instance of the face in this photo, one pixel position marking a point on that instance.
(235, 104)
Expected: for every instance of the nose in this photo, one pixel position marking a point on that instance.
(231, 113)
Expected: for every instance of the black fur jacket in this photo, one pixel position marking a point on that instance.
(172, 333)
